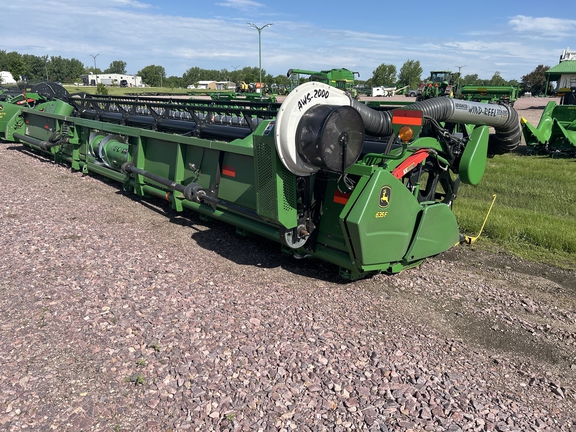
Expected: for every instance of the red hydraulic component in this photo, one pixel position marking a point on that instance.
(410, 163)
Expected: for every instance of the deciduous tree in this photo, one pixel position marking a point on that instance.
(153, 75)
(535, 81)
(116, 67)
(410, 74)
(384, 75)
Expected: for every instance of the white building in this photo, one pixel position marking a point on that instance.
(207, 85)
(6, 78)
(564, 73)
(225, 85)
(567, 54)
(108, 79)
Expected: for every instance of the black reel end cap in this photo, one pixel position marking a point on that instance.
(330, 137)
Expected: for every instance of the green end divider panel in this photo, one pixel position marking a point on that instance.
(473, 163)
(437, 232)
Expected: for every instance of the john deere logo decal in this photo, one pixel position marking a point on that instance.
(385, 193)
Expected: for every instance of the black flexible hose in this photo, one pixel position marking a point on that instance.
(443, 109)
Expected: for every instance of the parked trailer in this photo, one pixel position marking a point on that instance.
(322, 174)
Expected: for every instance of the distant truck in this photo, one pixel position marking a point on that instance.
(383, 91)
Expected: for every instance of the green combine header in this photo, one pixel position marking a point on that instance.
(555, 134)
(325, 176)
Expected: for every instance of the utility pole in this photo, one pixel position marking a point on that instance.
(260, 50)
(459, 74)
(46, 67)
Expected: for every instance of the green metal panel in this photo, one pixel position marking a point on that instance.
(7, 113)
(237, 180)
(473, 162)
(436, 233)
(381, 221)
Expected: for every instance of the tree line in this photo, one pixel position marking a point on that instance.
(410, 75)
(35, 69)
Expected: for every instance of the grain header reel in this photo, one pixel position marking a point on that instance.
(327, 177)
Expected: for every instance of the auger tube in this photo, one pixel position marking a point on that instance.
(502, 118)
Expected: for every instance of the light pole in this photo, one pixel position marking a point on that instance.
(459, 74)
(94, 57)
(46, 67)
(260, 50)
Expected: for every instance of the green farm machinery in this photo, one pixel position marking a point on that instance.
(489, 94)
(440, 83)
(42, 96)
(555, 134)
(340, 78)
(325, 176)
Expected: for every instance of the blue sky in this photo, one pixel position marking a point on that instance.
(508, 36)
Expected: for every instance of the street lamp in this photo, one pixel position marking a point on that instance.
(94, 57)
(260, 49)
(46, 67)
(459, 75)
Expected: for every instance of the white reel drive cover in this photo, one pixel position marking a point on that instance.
(317, 128)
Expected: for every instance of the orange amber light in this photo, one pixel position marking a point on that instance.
(405, 133)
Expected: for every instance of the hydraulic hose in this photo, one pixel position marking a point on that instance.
(502, 118)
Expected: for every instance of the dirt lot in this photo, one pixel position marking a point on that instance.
(117, 314)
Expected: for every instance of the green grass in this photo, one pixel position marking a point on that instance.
(534, 215)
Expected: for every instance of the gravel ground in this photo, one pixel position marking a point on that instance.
(117, 314)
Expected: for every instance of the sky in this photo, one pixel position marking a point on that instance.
(507, 36)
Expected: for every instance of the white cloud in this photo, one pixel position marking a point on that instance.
(545, 26)
(240, 4)
(142, 32)
(132, 3)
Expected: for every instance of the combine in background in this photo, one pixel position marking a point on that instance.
(342, 79)
(324, 175)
